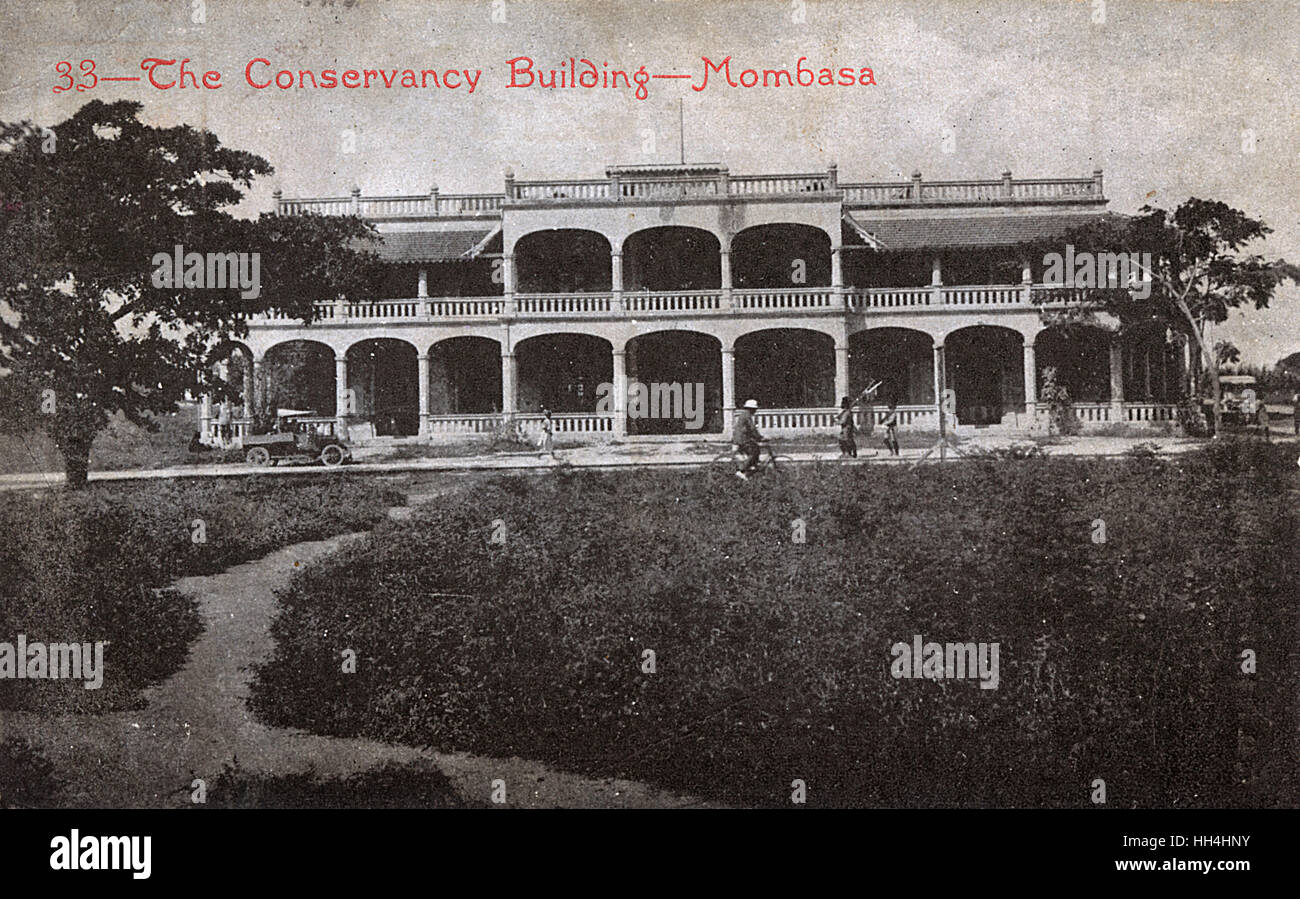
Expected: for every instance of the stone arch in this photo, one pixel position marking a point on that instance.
(781, 255)
(786, 368)
(672, 257)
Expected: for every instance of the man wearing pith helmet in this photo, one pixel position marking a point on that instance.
(747, 437)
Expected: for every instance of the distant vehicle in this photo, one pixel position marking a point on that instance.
(1239, 402)
(294, 440)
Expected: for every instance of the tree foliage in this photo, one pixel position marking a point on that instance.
(1200, 269)
(85, 332)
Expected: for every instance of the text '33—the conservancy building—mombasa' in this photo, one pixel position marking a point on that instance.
(794, 290)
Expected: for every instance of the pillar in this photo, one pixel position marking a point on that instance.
(940, 376)
(508, 382)
(837, 274)
(1031, 379)
(343, 404)
(508, 282)
(936, 282)
(616, 278)
(422, 362)
(1116, 381)
(250, 388)
(422, 286)
(259, 384)
(620, 394)
(725, 258)
(841, 373)
(728, 390)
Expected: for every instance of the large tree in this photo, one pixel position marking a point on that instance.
(1200, 269)
(86, 330)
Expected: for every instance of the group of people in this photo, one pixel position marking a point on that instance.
(849, 429)
(748, 439)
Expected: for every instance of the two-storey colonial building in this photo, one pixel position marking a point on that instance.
(794, 290)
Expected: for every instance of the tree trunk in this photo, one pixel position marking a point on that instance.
(75, 449)
(1211, 366)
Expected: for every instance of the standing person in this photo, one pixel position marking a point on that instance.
(848, 446)
(223, 424)
(547, 442)
(747, 437)
(891, 428)
(1261, 419)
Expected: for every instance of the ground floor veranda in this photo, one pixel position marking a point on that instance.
(469, 380)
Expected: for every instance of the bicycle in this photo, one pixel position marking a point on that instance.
(729, 462)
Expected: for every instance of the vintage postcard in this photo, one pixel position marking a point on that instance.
(650, 404)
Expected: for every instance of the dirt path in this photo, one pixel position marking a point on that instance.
(198, 720)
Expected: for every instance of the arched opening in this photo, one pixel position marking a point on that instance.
(563, 260)
(562, 372)
(656, 362)
(672, 258)
(900, 358)
(231, 364)
(1080, 355)
(465, 376)
(299, 375)
(383, 375)
(985, 368)
(781, 255)
(786, 368)
(1152, 368)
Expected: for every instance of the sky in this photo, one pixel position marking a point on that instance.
(1171, 98)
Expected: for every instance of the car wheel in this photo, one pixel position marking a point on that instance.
(332, 455)
(258, 455)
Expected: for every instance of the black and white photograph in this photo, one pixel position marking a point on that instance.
(712, 405)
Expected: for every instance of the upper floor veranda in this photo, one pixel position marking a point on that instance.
(695, 241)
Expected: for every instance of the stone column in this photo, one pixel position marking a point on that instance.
(259, 384)
(940, 376)
(841, 374)
(250, 388)
(837, 275)
(508, 281)
(728, 390)
(1116, 381)
(1031, 379)
(725, 257)
(620, 394)
(508, 383)
(616, 278)
(422, 286)
(422, 362)
(936, 282)
(343, 404)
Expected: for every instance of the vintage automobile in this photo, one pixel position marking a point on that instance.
(294, 440)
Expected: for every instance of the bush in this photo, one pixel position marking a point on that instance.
(414, 785)
(1118, 658)
(27, 778)
(94, 565)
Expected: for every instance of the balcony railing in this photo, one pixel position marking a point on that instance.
(743, 301)
(669, 183)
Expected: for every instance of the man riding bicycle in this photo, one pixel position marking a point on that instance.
(746, 436)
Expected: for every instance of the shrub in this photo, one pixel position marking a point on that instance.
(391, 785)
(1119, 659)
(27, 778)
(94, 565)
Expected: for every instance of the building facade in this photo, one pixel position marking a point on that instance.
(794, 290)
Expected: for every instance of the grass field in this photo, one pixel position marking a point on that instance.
(1119, 660)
